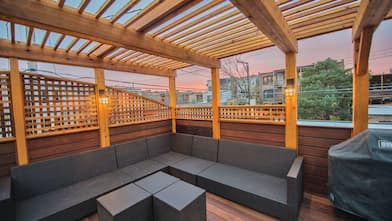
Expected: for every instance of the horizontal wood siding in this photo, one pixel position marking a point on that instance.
(254, 133)
(195, 127)
(314, 143)
(129, 132)
(7, 157)
(56, 146)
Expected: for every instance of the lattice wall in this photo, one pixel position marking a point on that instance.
(6, 127)
(54, 105)
(256, 113)
(128, 108)
(194, 113)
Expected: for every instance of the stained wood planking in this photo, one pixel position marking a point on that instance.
(195, 127)
(129, 132)
(314, 143)
(7, 157)
(254, 133)
(55, 146)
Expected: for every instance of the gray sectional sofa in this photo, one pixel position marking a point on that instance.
(265, 178)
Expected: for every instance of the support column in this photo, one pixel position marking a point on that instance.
(361, 80)
(18, 114)
(173, 102)
(102, 102)
(215, 102)
(291, 134)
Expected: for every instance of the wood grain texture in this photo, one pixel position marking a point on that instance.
(314, 143)
(254, 133)
(220, 209)
(129, 132)
(7, 157)
(195, 127)
(56, 146)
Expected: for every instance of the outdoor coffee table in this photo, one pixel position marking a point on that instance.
(127, 203)
(180, 202)
(156, 182)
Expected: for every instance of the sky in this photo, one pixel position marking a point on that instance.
(335, 45)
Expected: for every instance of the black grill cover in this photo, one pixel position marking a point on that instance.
(360, 175)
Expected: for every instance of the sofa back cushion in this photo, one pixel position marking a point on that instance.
(205, 148)
(131, 152)
(182, 143)
(41, 177)
(158, 144)
(271, 160)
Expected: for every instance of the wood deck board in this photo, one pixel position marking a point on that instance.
(220, 209)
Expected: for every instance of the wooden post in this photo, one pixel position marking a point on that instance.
(361, 80)
(215, 102)
(173, 100)
(17, 97)
(104, 133)
(291, 135)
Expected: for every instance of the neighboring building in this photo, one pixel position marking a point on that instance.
(380, 88)
(189, 98)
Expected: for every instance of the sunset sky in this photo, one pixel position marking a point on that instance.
(336, 45)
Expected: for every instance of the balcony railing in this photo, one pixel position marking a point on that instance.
(194, 113)
(255, 113)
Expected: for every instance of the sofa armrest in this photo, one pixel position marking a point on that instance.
(294, 183)
(7, 204)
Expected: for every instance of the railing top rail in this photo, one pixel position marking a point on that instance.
(179, 107)
(254, 106)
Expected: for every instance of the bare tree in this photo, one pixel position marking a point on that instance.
(236, 70)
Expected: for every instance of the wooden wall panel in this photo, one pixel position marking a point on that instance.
(195, 127)
(254, 133)
(125, 133)
(55, 146)
(314, 143)
(7, 157)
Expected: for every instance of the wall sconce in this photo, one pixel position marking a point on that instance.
(289, 90)
(103, 99)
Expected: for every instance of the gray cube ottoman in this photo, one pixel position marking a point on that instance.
(156, 182)
(127, 203)
(180, 202)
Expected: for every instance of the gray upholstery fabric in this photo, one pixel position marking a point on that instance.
(258, 191)
(143, 169)
(180, 202)
(42, 177)
(270, 160)
(7, 207)
(127, 203)
(72, 202)
(169, 158)
(182, 143)
(131, 152)
(156, 182)
(205, 148)
(188, 168)
(158, 144)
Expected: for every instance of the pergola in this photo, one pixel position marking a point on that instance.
(169, 35)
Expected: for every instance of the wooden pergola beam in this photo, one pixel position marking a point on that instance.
(370, 14)
(36, 53)
(47, 15)
(269, 19)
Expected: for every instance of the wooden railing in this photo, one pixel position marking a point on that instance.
(253, 113)
(127, 108)
(6, 127)
(194, 112)
(54, 105)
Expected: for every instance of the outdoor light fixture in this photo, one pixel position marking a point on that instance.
(289, 90)
(103, 99)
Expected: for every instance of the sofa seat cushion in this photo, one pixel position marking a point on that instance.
(142, 169)
(72, 202)
(258, 191)
(169, 158)
(188, 168)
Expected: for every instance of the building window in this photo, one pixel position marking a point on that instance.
(268, 94)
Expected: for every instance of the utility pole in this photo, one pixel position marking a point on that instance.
(246, 65)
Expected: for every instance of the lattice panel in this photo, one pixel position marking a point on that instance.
(258, 113)
(128, 108)
(6, 127)
(194, 113)
(55, 105)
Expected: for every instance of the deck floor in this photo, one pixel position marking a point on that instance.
(220, 209)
